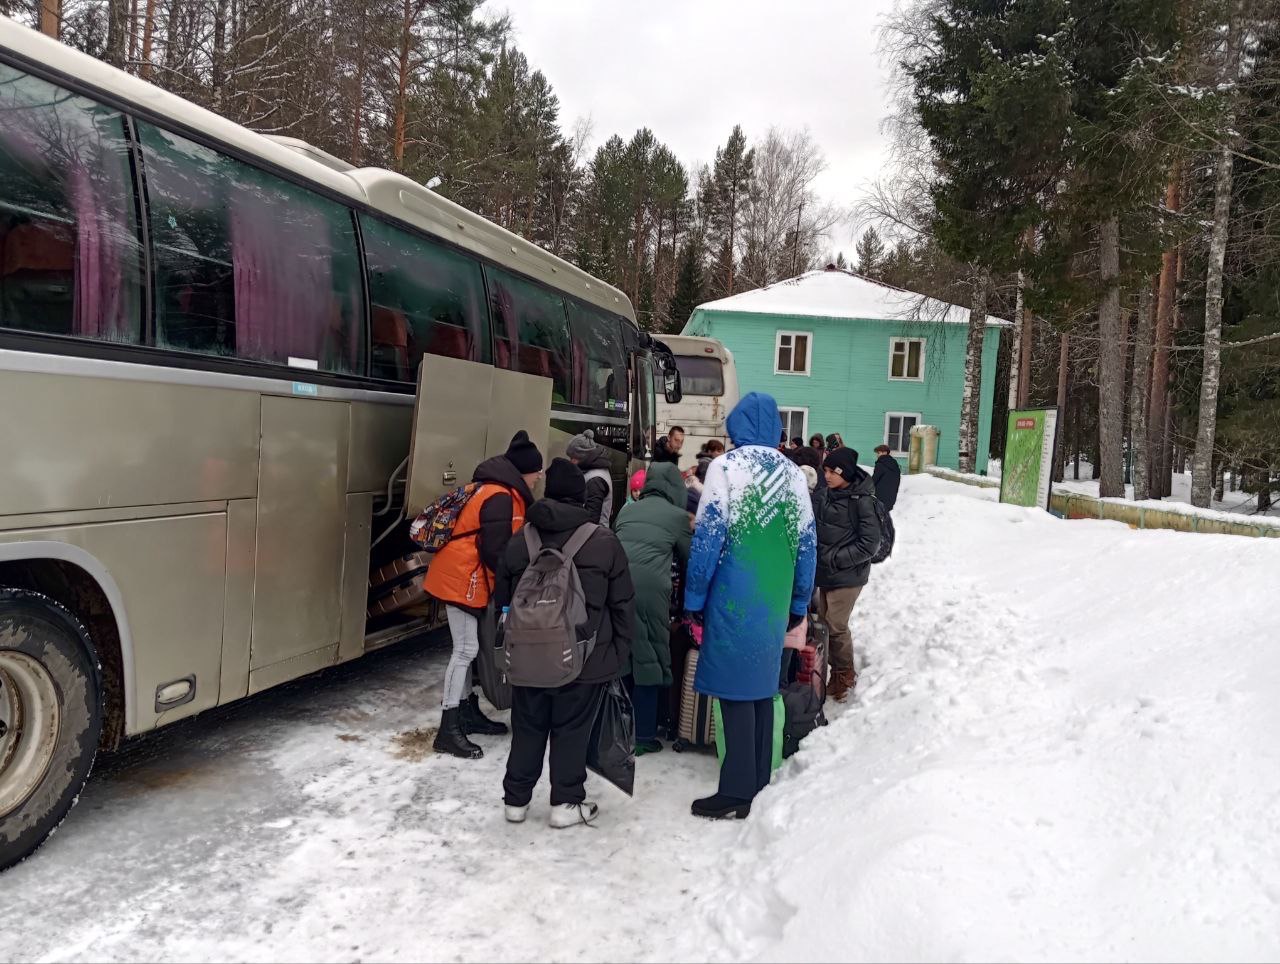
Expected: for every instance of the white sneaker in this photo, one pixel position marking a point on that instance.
(568, 815)
(516, 814)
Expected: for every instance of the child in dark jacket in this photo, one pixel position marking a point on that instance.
(565, 715)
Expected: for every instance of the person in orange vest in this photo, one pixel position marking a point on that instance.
(462, 577)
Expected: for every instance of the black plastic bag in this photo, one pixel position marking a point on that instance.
(491, 664)
(612, 750)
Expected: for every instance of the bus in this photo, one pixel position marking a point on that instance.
(709, 387)
(230, 369)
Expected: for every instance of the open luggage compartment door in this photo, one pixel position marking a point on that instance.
(464, 413)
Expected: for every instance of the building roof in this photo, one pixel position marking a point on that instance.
(836, 293)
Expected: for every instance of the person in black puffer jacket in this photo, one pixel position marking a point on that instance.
(848, 536)
(565, 715)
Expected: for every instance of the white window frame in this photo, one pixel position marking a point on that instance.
(808, 355)
(891, 415)
(893, 348)
(804, 420)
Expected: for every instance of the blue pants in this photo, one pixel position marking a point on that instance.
(748, 747)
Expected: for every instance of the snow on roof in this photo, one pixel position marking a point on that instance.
(836, 293)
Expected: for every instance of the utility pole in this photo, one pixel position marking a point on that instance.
(795, 246)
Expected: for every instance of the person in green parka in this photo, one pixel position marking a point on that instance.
(653, 531)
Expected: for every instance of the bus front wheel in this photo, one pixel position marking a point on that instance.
(50, 718)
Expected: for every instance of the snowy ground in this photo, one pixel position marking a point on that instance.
(1064, 746)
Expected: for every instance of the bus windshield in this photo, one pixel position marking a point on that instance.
(701, 374)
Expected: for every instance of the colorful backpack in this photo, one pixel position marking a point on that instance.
(433, 528)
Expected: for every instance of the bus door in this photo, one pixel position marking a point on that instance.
(464, 413)
(642, 407)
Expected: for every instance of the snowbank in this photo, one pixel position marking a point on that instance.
(1064, 746)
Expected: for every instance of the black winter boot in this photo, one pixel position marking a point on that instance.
(721, 807)
(451, 740)
(474, 721)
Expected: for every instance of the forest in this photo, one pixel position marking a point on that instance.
(1103, 173)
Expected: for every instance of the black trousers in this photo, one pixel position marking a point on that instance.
(748, 747)
(564, 716)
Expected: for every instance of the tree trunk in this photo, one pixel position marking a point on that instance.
(357, 94)
(1207, 424)
(1220, 481)
(218, 59)
(401, 107)
(148, 31)
(1235, 479)
(133, 31)
(970, 400)
(1157, 410)
(1064, 366)
(1111, 365)
(1015, 350)
(1138, 396)
(51, 18)
(117, 24)
(1264, 492)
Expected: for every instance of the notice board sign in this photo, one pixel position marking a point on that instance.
(1027, 473)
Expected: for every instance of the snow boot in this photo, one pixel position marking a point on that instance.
(722, 807)
(516, 814)
(474, 721)
(648, 746)
(842, 683)
(565, 815)
(451, 740)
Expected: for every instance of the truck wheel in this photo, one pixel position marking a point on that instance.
(50, 718)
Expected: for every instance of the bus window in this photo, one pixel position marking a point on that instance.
(426, 298)
(599, 359)
(642, 413)
(530, 330)
(701, 374)
(70, 262)
(250, 265)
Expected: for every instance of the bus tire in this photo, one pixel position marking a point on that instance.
(51, 712)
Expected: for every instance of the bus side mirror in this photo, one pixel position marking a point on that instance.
(671, 385)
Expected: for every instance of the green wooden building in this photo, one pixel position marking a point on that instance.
(842, 353)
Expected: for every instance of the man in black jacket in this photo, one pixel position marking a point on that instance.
(886, 477)
(848, 536)
(565, 715)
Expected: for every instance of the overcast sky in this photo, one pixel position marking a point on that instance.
(691, 69)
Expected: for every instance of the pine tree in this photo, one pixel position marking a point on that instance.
(730, 189)
(690, 284)
(871, 253)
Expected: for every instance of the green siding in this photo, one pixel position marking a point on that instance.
(848, 389)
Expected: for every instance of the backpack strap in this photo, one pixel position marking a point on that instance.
(578, 539)
(532, 541)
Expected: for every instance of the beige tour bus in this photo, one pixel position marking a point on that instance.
(709, 387)
(230, 368)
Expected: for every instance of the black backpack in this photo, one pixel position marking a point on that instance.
(803, 714)
(886, 531)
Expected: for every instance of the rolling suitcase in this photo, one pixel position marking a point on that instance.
(397, 585)
(697, 727)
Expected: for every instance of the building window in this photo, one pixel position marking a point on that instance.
(906, 359)
(897, 430)
(792, 355)
(795, 421)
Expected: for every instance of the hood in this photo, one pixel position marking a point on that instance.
(755, 421)
(500, 469)
(548, 515)
(664, 481)
(598, 459)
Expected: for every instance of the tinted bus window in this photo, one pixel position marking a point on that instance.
(426, 298)
(247, 264)
(531, 334)
(599, 359)
(70, 262)
(701, 374)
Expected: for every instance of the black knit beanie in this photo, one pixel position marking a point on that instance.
(565, 482)
(843, 462)
(523, 454)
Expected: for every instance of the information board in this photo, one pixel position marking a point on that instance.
(1027, 472)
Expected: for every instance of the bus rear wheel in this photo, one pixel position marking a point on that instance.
(50, 718)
